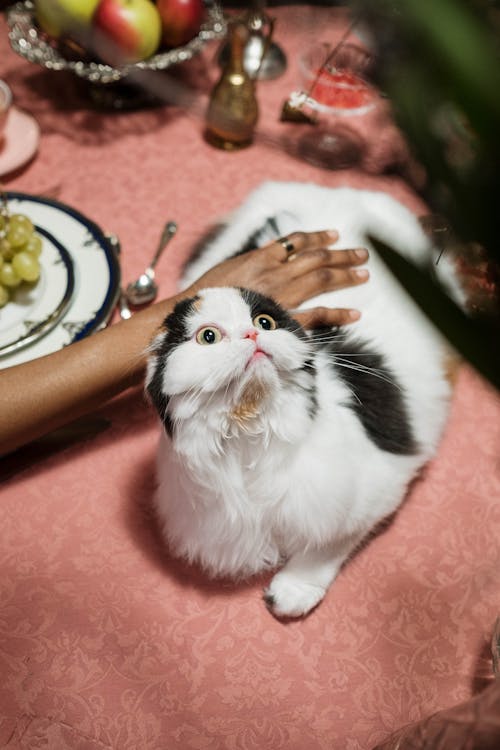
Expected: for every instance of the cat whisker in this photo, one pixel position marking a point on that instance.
(329, 337)
(365, 369)
(192, 395)
(348, 355)
(354, 394)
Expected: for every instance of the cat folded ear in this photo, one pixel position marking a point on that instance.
(173, 332)
(153, 387)
(154, 391)
(154, 347)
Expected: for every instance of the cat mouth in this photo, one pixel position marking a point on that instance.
(256, 356)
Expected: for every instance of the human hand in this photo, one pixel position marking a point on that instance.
(291, 276)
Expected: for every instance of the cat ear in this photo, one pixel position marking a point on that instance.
(154, 391)
(153, 347)
(154, 380)
(158, 340)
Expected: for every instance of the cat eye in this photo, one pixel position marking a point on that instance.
(208, 335)
(265, 322)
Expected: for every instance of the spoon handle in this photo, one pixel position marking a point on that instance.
(168, 232)
(125, 311)
(123, 307)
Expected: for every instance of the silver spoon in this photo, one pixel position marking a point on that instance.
(145, 289)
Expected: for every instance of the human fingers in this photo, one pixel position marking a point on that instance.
(325, 316)
(266, 266)
(298, 242)
(266, 269)
(305, 261)
(318, 281)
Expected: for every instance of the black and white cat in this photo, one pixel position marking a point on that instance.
(284, 448)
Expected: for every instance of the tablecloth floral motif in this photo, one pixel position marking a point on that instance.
(105, 642)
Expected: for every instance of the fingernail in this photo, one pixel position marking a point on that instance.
(362, 273)
(360, 252)
(333, 234)
(353, 314)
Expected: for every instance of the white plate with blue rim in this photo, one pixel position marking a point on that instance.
(78, 286)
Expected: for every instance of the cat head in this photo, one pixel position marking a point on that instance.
(228, 351)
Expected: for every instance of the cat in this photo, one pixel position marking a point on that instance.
(283, 449)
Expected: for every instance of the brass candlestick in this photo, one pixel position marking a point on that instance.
(262, 58)
(233, 110)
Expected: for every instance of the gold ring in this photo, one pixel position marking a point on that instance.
(289, 246)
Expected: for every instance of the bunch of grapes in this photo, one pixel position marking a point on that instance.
(20, 248)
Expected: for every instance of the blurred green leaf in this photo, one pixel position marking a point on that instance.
(461, 46)
(439, 63)
(475, 340)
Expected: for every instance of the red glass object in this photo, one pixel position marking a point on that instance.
(335, 79)
(340, 88)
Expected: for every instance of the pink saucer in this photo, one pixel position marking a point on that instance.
(20, 141)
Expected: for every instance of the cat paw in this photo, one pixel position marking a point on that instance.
(289, 596)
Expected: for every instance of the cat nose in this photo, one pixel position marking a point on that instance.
(251, 334)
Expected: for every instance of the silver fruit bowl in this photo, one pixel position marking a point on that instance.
(34, 45)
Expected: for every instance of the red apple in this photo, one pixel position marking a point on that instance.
(133, 25)
(181, 20)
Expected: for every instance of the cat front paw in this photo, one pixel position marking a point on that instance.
(290, 596)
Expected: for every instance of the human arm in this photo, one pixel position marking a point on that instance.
(43, 394)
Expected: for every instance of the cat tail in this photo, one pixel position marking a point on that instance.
(274, 209)
(404, 232)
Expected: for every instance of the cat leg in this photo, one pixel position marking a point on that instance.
(302, 583)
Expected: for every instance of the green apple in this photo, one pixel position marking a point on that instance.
(57, 17)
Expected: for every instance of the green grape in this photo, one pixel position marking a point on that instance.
(26, 266)
(8, 277)
(21, 220)
(20, 230)
(6, 250)
(34, 245)
(4, 296)
(20, 248)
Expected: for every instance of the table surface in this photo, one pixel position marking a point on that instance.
(104, 641)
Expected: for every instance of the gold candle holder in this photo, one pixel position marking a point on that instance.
(233, 110)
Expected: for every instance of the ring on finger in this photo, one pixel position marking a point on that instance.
(288, 245)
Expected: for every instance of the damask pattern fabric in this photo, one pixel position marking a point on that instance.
(108, 642)
(105, 642)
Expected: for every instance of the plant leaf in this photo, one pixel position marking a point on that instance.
(476, 340)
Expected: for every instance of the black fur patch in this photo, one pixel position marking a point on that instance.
(175, 326)
(259, 303)
(255, 240)
(310, 368)
(378, 399)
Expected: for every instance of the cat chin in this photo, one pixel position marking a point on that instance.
(260, 368)
(257, 359)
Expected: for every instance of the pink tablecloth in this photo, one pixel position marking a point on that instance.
(107, 643)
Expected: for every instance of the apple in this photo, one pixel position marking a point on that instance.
(181, 20)
(57, 17)
(134, 26)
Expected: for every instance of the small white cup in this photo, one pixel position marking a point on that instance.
(5, 105)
